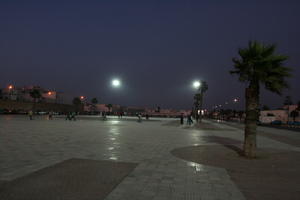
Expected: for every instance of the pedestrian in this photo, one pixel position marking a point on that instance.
(73, 116)
(139, 117)
(30, 114)
(50, 115)
(181, 118)
(189, 119)
(103, 115)
(68, 116)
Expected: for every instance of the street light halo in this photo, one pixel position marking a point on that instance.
(116, 83)
(196, 84)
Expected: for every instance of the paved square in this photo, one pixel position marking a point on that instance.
(27, 146)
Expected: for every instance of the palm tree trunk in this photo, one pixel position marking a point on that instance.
(252, 101)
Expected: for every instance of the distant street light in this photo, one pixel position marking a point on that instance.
(81, 97)
(10, 87)
(116, 83)
(235, 100)
(196, 84)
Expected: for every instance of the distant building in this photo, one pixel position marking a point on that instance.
(284, 114)
(23, 94)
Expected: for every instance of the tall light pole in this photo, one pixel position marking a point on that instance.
(201, 87)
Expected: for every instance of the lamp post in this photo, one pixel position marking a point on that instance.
(197, 97)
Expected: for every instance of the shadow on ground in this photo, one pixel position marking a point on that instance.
(274, 175)
(69, 180)
(196, 126)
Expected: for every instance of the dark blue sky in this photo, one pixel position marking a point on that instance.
(156, 47)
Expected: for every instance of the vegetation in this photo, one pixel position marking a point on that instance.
(35, 94)
(288, 101)
(94, 101)
(258, 64)
(76, 101)
(294, 114)
(78, 104)
(265, 107)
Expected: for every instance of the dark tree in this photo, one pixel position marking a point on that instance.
(265, 107)
(76, 101)
(35, 94)
(294, 114)
(94, 101)
(288, 101)
(258, 64)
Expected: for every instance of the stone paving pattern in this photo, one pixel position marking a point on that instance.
(27, 146)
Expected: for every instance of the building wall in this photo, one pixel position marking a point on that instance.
(27, 106)
(282, 115)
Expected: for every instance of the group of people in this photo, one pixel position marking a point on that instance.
(71, 116)
(30, 115)
(140, 116)
(189, 120)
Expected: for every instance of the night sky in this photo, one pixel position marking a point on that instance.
(157, 48)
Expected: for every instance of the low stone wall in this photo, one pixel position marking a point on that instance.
(46, 107)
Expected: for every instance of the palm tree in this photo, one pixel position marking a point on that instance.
(94, 101)
(258, 64)
(77, 103)
(36, 95)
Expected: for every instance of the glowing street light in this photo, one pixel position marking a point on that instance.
(49, 93)
(81, 97)
(235, 100)
(196, 84)
(10, 87)
(116, 83)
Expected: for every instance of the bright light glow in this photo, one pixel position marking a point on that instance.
(10, 87)
(116, 83)
(49, 93)
(196, 84)
(235, 100)
(82, 97)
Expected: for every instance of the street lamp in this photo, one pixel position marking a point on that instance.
(81, 97)
(196, 84)
(116, 83)
(10, 87)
